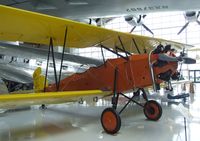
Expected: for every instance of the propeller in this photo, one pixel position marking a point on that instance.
(184, 59)
(161, 51)
(137, 21)
(190, 16)
(181, 58)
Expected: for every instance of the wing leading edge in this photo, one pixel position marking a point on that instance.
(19, 100)
(26, 26)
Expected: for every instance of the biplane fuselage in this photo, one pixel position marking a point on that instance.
(132, 73)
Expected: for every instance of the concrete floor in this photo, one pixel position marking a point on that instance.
(82, 122)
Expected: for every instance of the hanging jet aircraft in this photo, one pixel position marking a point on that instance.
(130, 72)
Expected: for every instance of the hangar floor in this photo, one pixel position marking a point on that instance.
(81, 122)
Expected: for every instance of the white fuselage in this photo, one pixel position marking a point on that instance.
(80, 9)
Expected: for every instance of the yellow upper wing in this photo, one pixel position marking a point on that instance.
(21, 25)
(18, 100)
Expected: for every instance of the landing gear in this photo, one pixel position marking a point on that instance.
(152, 110)
(110, 121)
(110, 118)
(43, 107)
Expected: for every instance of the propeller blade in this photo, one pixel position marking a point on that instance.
(90, 21)
(183, 28)
(198, 14)
(97, 20)
(144, 16)
(139, 19)
(198, 22)
(132, 29)
(147, 29)
(188, 60)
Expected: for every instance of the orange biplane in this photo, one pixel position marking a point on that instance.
(120, 75)
(150, 65)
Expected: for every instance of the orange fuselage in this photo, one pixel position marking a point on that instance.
(131, 74)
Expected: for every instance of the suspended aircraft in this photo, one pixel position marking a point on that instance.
(130, 72)
(93, 10)
(83, 9)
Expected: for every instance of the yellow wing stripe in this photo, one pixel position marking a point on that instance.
(47, 95)
(26, 26)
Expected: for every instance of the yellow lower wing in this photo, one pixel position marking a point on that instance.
(19, 100)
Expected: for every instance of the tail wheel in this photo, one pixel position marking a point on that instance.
(110, 121)
(152, 110)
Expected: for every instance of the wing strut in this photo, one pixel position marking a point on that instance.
(45, 82)
(123, 47)
(54, 63)
(136, 46)
(63, 51)
(50, 51)
(115, 53)
(103, 55)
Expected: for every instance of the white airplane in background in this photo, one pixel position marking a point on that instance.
(16, 66)
(90, 11)
(82, 9)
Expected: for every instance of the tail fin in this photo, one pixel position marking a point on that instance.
(39, 80)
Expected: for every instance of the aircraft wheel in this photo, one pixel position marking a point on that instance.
(152, 110)
(43, 107)
(110, 121)
(95, 99)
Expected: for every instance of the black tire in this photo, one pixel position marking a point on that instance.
(152, 110)
(43, 107)
(110, 121)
